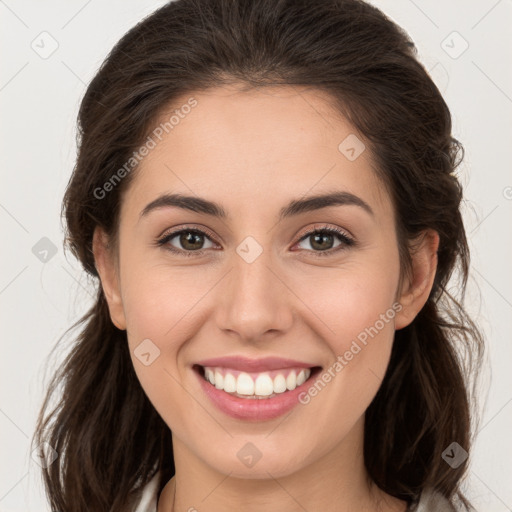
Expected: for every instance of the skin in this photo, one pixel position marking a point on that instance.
(253, 152)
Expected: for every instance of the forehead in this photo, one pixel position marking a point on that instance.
(260, 144)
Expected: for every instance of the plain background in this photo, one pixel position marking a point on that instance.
(39, 300)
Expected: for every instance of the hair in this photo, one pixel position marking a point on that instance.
(368, 66)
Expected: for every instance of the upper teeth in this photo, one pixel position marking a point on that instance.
(260, 384)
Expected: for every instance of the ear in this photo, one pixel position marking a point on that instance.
(416, 289)
(107, 270)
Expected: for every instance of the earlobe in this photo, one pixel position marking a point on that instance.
(105, 265)
(416, 289)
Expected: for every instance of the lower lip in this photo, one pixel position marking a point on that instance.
(254, 409)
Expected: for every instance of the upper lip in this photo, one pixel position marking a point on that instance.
(246, 364)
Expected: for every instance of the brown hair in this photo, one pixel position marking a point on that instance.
(109, 437)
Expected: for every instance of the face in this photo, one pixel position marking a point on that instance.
(189, 286)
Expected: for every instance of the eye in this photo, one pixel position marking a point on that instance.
(191, 241)
(321, 240)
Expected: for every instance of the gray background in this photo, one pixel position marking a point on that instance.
(40, 299)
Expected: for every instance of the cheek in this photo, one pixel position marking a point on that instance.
(353, 302)
(355, 311)
(360, 347)
(160, 315)
(159, 301)
(164, 309)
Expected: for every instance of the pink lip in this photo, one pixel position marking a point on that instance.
(245, 364)
(254, 409)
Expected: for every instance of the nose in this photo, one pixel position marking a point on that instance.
(254, 301)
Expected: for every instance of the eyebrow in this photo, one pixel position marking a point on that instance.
(294, 207)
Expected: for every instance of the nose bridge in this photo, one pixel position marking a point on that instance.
(254, 300)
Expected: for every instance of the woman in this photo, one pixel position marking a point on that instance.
(266, 194)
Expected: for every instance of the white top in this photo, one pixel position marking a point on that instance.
(149, 499)
(430, 501)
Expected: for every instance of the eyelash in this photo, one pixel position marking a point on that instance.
(345, 239)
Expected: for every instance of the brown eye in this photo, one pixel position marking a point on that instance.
(186, 241)
(322, 241)
(191, 240)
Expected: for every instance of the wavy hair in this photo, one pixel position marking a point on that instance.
(368, 65)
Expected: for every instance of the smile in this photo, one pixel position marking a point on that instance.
(254, 395)
(256, 385)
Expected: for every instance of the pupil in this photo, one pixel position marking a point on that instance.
(318, 238)
(187, 240)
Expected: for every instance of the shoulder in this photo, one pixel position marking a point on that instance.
(148, 498)
(432, 501)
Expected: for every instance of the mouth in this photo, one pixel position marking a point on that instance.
(263, 385)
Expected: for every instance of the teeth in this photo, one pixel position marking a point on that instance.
(210, 376)
(257, 385)
(219, 380)
(279, 384)
(230, 384)
(301, 378)
(291, 381)
(244, 384)
(263, 385)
